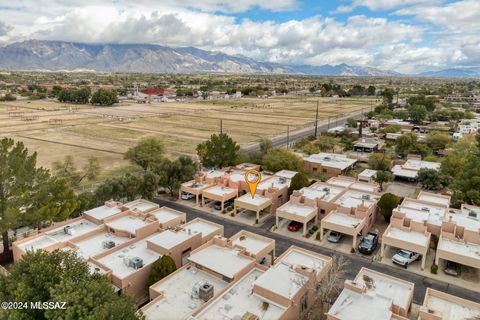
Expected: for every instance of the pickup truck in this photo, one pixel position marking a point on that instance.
(405, 257)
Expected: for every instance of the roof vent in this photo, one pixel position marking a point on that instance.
(108, 244)
(205, 292)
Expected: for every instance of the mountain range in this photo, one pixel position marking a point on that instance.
(72, 56)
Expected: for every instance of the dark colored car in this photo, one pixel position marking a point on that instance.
(368, 244)
(218, 205)
(295, 226)
(452, 268)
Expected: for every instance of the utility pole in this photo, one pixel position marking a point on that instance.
(221, 126)
(328, 126)
(288, 137)
(316, 121)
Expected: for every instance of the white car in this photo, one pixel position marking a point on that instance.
(334, 236)
(405, 257)
(187, 196)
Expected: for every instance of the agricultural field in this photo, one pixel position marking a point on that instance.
(55, 130)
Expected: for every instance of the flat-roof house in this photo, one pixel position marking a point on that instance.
(132, 223)
(367, 175)
(284, 291)
(219, 193)
(110, 208)
(366, 145)
(255, 245)
(373, 295)
(206, 228)
(328, 164)
(439, 305)
(168, 217)
(409, 170)
(460, 237)
(141, 205)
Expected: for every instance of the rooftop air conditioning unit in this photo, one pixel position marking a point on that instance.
(205, 292)
(282, 180)
(426, 209)
(326, 189)
(472, 214)
(327, 158)
(108, 244)
(135, 263)
(365, 196)
(68, 230)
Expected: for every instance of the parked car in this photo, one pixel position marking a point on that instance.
(218, 205)
(295, 226)
(334, 236)
(452, 268)
(187, 196)
(405, 257)
(368, 244)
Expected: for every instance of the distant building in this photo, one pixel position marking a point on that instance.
(409, 169)
(328, 164)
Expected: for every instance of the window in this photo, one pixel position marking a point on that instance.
(322, 211)
(314, 169)
(303, 304)
(324, 170)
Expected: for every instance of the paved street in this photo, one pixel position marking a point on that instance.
(355, 262)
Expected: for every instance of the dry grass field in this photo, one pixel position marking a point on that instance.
(55, 129)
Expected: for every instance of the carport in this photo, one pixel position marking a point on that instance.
(458, 251)
(297, 212)
(344, 223)
(407, 239)
(255, 204)
(219, 193)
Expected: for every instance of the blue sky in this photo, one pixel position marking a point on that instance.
(404, 35)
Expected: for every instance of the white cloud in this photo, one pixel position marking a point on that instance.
(382, 5)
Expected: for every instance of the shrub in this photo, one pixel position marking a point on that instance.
(315, 228)
(318, 236)
(434, 268)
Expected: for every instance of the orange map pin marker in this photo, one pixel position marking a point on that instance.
(252, 183)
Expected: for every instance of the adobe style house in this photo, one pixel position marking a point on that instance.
(375, 295)
(439, 305)
(328, 164)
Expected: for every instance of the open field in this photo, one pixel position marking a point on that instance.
(55, 129)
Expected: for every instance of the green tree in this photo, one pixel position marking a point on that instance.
(299, 181)
(265, 145)
(466, 184)
(29, 195)
(160, 269)
(325, 143)
(371, 90)
(383, 176)
(417, 113)
(405, 143)
(278, 159)
(219, 151)
(432, 179)
(147, 153)
(67, 170)
(437, 140)
(352, 122)
(62, 276)
(173, 173)
(386, 204)
(387, 95)
(104, 97)
(393, 128)
(310, 148)
(379, 161)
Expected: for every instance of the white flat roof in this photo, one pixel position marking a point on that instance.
(103, 212)
(420, 211)
(451, 310)
(343, 219)
(223, 260)
(129, 223)
(233, 303)
(215, 173)
(364, 186)
(351, 305)
(286, 174)
(141, 205)
(368, 173)
(297, 209)
(414, 164)
(251, 244)
(274, 182)
(169, 239)
(40, 242)
(417, 238)
(329, 191)
(77, 228)
(467, 249)
(219, 190)
(201, 226)
(466, 218)
(115, 260)
(281, 280)
(338, 161)
(397, 170)
(164, 214)
(301, 258)
(258, 200)
(352, 199)
(433, 198)
(180, 297)
(397, 290)
(236, 177)
(94, 245)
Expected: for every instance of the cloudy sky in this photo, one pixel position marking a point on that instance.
(403, 35)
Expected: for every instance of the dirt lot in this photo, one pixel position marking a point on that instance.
(55, 129)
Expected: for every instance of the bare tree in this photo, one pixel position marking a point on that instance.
(328, 289)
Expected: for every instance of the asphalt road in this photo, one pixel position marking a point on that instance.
(354, 262)
(282, 139)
